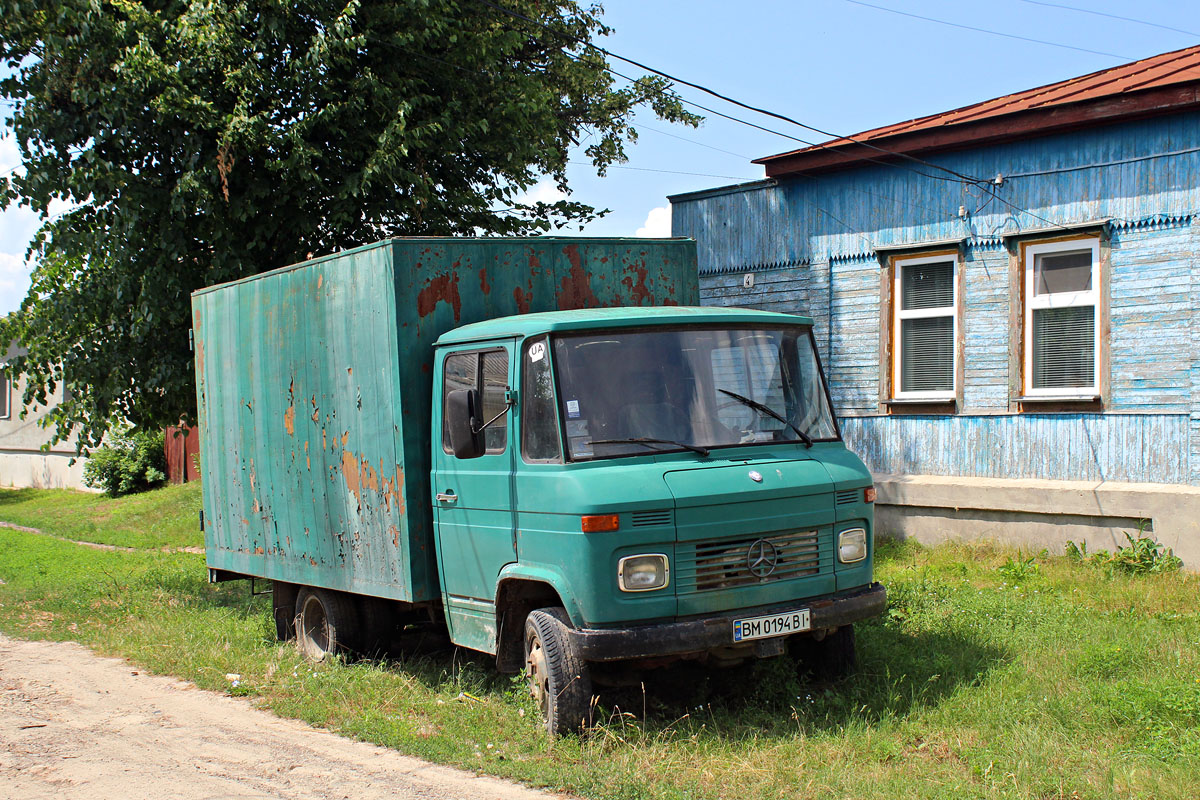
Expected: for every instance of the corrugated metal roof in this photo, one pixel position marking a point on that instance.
(1157, 72)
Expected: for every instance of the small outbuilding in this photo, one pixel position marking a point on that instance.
(1007, 297)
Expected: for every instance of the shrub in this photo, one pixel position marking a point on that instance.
(130, 462)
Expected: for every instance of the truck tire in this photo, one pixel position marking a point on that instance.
(283, 609)
(829, 659)
(559, 679)
(326, 623)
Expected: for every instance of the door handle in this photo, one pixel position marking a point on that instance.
(447, 497)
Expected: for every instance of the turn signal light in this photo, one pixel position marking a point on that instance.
(597, 523)
(869, 494)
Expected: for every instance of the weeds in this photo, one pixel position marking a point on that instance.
(1143, 555)
(1019, 567)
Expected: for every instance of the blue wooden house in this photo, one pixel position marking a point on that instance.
(1007, 298)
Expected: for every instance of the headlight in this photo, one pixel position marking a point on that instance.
(642, 573)
(852, 545)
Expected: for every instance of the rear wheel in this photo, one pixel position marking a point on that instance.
(559, 679)
(828, 659)
(326, 623)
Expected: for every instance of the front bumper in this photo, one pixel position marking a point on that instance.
(694, 636)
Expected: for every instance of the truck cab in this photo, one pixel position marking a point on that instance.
(630, 486)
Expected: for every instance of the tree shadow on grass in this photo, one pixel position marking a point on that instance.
(12, 496)
(899, 673)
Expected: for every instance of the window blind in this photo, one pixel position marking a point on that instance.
(1064, 347)
(926, 286)
(927, 354)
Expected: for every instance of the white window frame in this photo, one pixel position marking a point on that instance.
(6, 394)
(898, 314)
(1062, 300)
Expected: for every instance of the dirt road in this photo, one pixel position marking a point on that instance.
(74, 725)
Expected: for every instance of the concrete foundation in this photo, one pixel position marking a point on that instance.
(1037, 514)
(41, 470)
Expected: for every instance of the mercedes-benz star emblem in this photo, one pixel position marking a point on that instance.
(756, 476)
(762, 558)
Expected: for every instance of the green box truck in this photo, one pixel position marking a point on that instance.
(543, 443)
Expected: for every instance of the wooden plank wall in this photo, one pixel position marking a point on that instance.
(811, 245)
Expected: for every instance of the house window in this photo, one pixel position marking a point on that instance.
(924, 325)
(5, 395)
(1061, 321)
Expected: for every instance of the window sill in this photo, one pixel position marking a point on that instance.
(1059, 398)
(907, 405)
(1065, 404)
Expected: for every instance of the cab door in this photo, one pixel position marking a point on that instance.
(473, 498)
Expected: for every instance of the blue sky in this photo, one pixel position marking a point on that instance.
(835, 64)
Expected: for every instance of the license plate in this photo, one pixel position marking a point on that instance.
(772, 625)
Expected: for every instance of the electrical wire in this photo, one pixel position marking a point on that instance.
(986, 30)
(667, 171)
(1111, 16)
(739, 120)
(1100, 164)
(726, 98)
(693, 141)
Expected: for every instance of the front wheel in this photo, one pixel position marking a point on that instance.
(559, 679)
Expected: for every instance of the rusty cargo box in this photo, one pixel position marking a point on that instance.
(314, 386)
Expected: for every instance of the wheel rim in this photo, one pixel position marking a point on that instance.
(316, 627)
(539, 679)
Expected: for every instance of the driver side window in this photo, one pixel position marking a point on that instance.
(487, 373)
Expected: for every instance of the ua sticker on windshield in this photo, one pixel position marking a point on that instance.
(537, 352)
(572, 408)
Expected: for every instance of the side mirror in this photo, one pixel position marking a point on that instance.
(463, 421)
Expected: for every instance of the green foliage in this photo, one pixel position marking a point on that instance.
(200, 142)
(1143, 555)
(130, 462)
(1018, 567)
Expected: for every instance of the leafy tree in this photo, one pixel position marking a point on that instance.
(200, 141)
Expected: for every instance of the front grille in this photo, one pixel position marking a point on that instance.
(848, 496)
(645, 518)
(725, 563)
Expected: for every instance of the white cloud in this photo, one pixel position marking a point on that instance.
(543, 192)
(14, 282)
(10, 156)
(657, 224)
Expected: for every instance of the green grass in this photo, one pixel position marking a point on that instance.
(987, 678)
(167, 517)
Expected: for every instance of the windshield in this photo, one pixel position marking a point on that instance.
(640, 391)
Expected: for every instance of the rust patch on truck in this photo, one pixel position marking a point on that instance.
(484, 286)
(638, 290)
(442, 289)
(350, 473)
(575, 291)
(522, 300)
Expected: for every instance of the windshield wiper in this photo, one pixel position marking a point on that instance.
(695, 448)
(770, 412)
